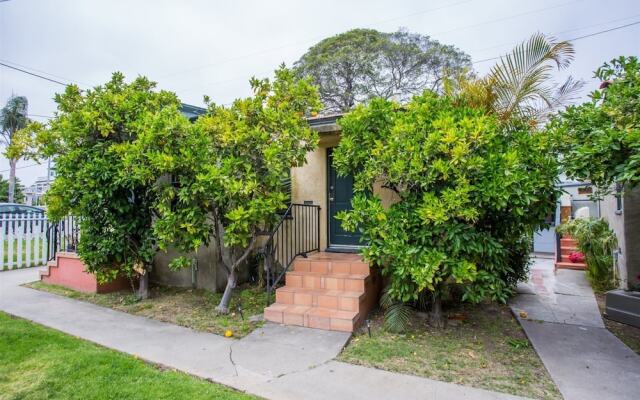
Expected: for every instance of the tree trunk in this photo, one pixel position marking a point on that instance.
(143, 286)
(223, 307)
(436, 318)
(12, 180)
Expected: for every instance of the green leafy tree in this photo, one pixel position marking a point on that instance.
(18, 196)
(470, 195)
(91, 138)
(13, 118)
(360, 64)
(225, 175)
(600, 139)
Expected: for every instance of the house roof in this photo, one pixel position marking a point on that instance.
(325, 123)
(191, 112)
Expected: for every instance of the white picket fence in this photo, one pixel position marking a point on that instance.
(24, 240)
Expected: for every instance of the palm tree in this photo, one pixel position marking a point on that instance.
(13, 117)
(521, 83)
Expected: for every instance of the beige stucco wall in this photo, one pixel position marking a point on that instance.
(309, 182)
(626, 225)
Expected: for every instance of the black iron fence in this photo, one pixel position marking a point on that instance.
(296, 234)
(62, 235)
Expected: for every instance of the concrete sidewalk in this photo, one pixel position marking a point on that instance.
(275, 362)
(564, 324)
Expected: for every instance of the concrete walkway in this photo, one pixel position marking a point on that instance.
(564, 324)
(274, 362)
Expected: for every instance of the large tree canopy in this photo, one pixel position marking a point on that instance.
(360, 64)
(600, 139)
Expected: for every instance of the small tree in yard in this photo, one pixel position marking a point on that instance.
(13, 118)
(227, 174)
(471, 192)
(600, 139)
(91, 138)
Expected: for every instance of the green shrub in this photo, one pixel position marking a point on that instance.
(597, 242)
(471, 193)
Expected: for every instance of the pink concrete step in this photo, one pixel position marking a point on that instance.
(324, 298)
(570, 265)
(312, 317)
(331, 281)
(566, 250)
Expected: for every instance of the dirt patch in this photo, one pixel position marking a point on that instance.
(192, 308)
(483, 346)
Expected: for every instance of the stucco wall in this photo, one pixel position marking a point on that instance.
(309, 182)
(626, 225)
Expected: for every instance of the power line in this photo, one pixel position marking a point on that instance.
(538, 10)
(309, 40)
(23, 167)
(572, 40)
(34, 74)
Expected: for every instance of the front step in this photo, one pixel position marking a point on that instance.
(332, 291)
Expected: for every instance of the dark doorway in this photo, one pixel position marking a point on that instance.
(340, 193)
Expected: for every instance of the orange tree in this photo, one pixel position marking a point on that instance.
(223, 182)
(91, 138)
(470, 194)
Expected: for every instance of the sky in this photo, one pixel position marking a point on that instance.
(197, 48)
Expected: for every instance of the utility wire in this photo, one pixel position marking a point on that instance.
(34, 74)
(260, 52)
(23, 167)
(571, 40)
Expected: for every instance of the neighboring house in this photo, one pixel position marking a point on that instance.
(545, 241)
(622, 211)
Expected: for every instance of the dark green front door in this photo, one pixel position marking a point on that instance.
(340, 192)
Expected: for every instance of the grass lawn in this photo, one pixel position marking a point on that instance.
(484, 347)
(40, 363)
(629, 335)
(193, 308)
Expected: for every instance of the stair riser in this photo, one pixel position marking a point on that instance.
(336, 302)
(325, 282)
(331, 267)
(310, 321)
(565, 251)
(568, 243)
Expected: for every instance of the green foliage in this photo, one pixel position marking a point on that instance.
(93, 137)
(597, 242)
(4, 191)
(600, 139)
(470, 194)
(226, 174)
(230, 167)
(360, 64)
(13, 119)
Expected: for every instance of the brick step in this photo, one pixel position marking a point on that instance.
(312, 317)
(46, 271)
(568, 243)
(325, 298)
(570, 265)
(566, 250)
(565, 258)
(326, 266)
(331, 281)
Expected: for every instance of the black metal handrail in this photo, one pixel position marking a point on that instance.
(62, 235)
(296, 234)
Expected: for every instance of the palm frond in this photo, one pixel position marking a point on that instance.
(396, 317)
(522, 80)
